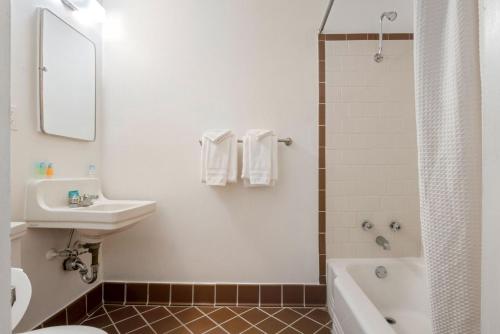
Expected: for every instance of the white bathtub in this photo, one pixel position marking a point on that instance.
(359, 301)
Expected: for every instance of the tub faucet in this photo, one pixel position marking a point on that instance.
(381, 241)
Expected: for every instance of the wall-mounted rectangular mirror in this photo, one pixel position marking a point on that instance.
(67, 80)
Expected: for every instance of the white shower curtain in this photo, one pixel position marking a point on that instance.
(449, 147)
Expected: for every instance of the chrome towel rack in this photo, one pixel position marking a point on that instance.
(287, 141)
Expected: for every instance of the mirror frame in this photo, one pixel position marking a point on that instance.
(41, 70)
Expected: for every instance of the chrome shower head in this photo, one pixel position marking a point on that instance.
(391, 16)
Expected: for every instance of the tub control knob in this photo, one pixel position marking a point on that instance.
(395, 226)
(366, 225)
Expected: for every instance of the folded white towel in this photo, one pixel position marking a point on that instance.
(260, 158)
(219, 157)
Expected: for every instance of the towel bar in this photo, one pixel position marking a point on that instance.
(287, 141)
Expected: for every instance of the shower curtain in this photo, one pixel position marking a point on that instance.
(448, 110)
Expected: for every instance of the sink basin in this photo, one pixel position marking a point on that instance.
(47, 207)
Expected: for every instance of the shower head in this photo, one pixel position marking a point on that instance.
(391, 16)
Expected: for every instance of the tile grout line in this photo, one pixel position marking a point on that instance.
(217, 325)
(181, 322)
(110, 319)
(147, 322)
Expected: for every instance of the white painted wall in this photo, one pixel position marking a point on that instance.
(371, 157)
(4, 167)
(360, 16)
(490, 81)
(52, 288)
(183, 66)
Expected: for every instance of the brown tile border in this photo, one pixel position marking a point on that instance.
(365, 37)
(77, 310)
(178, 294)
(322, 144)
(172, 294)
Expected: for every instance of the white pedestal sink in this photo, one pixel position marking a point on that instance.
(47, 207)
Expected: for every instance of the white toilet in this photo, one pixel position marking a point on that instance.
(22, 285)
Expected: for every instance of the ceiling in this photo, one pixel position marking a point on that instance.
(359, 16)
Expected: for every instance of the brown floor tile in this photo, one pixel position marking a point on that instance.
(142, 319)
(123, 313)
(254, 316)
(253, 330)
(98, 312)
(111, 308)
(143, 330)
(201, 325)
(222, 315)
(99, 321)
(188, 315)
(302, 310)
(324, 330)
(156, 314)
(320, 316)
(130, 324)
(270, 310)
(216, 330)
(165, 325)
(142, 308)
(239, 310)
(289, 330)
(180, 330)
(110, 330)
(177, 309)
(306, 326)
(287, 315)
(271, 325)
(236, 325)
(208, 309)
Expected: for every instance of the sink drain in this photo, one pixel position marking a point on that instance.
(390, 321)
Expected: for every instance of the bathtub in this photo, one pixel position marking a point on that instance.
(361, 303)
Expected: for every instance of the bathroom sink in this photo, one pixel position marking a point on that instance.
(47, 207)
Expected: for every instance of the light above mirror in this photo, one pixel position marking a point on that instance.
(90, 10)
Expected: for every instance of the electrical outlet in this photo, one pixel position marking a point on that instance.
(13, 116)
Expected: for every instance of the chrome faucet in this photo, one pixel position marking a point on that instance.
(381, 241)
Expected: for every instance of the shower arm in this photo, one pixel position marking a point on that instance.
(380, 35)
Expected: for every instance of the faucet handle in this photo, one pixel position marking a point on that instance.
(366, 225)
(395, 226)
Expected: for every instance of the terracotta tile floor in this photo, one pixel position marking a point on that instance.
(118, 319)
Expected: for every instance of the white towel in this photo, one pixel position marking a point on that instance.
(260, 158)
(218, 157)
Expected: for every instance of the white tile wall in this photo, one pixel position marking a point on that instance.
(371, 152)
